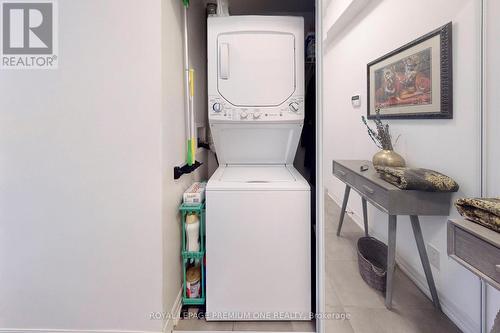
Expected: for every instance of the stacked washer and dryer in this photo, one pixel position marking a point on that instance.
(257, 205)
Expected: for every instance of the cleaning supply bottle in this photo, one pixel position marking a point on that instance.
(192, 232)
(193, 282)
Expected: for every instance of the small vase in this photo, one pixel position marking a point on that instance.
(388, 158)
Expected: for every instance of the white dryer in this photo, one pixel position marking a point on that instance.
(257, 205)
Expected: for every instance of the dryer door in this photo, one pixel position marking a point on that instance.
(256, 68)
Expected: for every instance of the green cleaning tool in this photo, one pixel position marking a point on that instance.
(191, 153)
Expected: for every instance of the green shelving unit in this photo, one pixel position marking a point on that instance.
(193, 258)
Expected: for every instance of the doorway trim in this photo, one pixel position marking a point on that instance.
(320, 198)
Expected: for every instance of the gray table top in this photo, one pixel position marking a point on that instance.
(390, 198)
(370, 174)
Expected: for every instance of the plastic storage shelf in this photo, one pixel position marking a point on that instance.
(189, 257)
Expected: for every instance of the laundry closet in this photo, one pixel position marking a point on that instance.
(254, 115)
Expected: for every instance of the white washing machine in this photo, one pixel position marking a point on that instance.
(257, 204)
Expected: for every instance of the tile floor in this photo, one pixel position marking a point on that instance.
(202, 325)
(347, 294)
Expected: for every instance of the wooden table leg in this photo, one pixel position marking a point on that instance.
(417, 232)
(391, 260)
(344, 206)
(365, 216)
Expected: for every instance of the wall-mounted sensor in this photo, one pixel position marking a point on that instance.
(356, 101)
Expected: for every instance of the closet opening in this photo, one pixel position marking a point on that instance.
(257, 169)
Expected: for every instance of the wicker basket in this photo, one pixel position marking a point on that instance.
(372, 262)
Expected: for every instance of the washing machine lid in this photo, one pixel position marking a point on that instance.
(256, 143)
(256, 174)
(257, 178)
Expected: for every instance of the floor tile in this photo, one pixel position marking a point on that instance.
(203, 325)
(340, 248)
(332, 300)
(366, 320)
(275, 326)
(338, 321)
(304, 326)
(407, 295)
(351, 288)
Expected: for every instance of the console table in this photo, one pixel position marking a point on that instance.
(393, 201)
(477, 249)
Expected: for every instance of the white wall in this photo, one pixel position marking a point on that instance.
(333, 12)
(173, 129)
(449, 146)
(492, 105)
(80, 176)
(492, 130)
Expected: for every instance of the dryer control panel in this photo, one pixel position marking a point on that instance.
(220, 109)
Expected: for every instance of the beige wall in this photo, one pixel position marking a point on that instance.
(88, 196)
(80, 176)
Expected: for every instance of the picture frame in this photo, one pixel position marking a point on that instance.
(414, 81)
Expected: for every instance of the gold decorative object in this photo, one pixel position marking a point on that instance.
(388, 157)
(382, 138)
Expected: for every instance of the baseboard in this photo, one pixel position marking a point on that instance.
(460, 318)
(175, 313)
(46, 330)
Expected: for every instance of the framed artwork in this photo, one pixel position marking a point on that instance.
(414, 81)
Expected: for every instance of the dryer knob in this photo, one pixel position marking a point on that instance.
(217, 107)
(294, 106)
(243, 115)
(256, 114)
